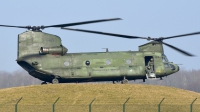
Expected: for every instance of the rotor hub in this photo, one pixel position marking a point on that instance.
(35, 28)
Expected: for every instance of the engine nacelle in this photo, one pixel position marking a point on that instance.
(57, 50)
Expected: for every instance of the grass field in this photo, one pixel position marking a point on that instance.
(109, 98)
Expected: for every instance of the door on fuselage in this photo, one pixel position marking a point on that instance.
(148, 62)
(149, 67)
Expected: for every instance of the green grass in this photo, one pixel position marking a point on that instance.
(109, 98)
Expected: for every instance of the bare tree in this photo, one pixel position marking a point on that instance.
(184, 79)
(17, 78)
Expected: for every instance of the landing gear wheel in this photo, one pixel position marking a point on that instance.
(43, 83)
(125, 81)
(55, 81)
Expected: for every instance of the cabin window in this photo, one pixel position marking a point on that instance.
(66, 63)
(87, 63)
(108, 62)
(128, 61)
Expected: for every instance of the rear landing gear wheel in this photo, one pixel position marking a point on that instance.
(125, 81)
(55, 81)
(43, 83)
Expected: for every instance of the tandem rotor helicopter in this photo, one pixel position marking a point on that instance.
(44, 57)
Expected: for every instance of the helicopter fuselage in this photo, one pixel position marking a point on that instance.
(44, 57)
(96, 66)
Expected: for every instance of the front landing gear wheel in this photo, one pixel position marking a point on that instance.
(55, 81)
(43, 83)
(125, 81)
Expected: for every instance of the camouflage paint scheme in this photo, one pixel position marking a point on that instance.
(71, 67)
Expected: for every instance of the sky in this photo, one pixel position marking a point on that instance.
(153, 18)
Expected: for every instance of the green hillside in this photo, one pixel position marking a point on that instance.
(109, 98)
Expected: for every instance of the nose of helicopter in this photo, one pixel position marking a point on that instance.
(178, 68)
(174, 68)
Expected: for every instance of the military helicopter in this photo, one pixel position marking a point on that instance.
(44, 57)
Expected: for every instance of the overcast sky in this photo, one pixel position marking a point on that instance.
(153, 18)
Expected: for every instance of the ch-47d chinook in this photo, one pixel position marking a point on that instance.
(44, 57)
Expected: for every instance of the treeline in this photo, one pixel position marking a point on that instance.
(17, 78)
(184, 79)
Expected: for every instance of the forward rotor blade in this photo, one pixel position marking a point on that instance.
(177, 49)
(62, 25)
(104, 33)
(183, 35)
(14, 26)
(85, 22)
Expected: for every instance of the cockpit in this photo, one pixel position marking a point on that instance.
(166, 62)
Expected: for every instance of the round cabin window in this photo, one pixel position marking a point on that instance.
(108, 62)
(128, 61)
(87, 63)
(66, 63)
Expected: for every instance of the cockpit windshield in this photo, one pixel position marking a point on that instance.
(164, 58)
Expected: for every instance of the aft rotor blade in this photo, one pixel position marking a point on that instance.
(183, 35)
(80, 23)
(14, 26)
(104, 33)
(177, 49)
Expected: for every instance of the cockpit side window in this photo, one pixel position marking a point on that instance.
(172, 67)
(165, 61)
(166, 65)
(164, 58)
